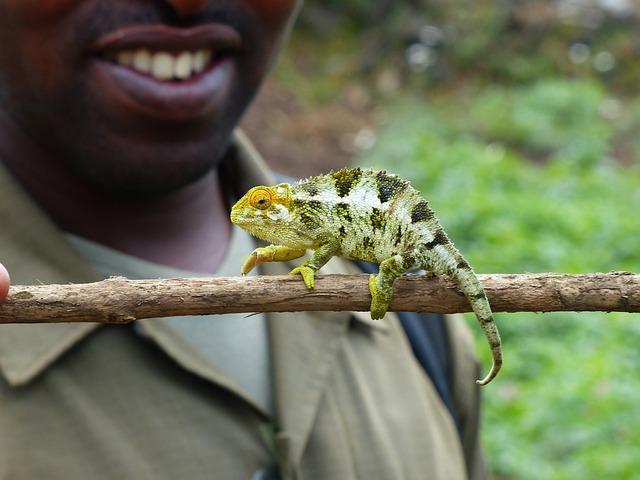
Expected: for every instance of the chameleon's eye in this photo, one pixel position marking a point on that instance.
(261, 199)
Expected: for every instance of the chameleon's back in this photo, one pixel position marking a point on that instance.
(374, 214)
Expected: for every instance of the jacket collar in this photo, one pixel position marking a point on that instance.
(29, 243)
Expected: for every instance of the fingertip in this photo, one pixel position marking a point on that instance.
(4, 283)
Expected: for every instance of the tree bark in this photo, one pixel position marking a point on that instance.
(118, 300)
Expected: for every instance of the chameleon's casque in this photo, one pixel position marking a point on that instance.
(360, 214)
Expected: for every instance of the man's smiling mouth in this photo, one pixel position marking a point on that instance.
(167, 72)
(178, 66)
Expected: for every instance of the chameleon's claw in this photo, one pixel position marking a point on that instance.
(308, 274)
(379, 301)
(254, 259)
(249, 264)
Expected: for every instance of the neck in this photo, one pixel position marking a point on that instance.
(187, 229)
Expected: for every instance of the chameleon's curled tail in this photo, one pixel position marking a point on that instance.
(496, 353)
(474, 292)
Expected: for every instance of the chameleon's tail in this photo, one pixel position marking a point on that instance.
(472, 289)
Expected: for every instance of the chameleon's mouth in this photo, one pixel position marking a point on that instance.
(247, 221)
(239, 215)
(235, 218)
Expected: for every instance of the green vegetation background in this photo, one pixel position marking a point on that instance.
(530, 159)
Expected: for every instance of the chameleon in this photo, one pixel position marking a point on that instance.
(360, 214)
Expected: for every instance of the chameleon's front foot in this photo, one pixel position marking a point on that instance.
(379, 300)
(259, 256)
(272, 253)
(308, 274)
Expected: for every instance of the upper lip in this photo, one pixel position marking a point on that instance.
(215, 36)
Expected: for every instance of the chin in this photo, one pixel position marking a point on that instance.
(159, 160)
(147, 171)
(136, 183)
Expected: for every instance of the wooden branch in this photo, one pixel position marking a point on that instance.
(118, 300)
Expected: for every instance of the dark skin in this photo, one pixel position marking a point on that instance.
(124, 159)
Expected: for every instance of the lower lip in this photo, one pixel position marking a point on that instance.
(165, 100)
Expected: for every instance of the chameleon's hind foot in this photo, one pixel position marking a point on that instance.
(379, 300)
(308, 274)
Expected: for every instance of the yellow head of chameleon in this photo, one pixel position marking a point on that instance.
(262, 209)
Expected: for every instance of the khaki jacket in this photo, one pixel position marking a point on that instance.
(82, 401)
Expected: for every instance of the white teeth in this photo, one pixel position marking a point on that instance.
(182, 67)
(198, 60)
(164, 65)
(141, 61)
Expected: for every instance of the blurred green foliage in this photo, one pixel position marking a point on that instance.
(504, 40)
(547, 118)
(522, 180)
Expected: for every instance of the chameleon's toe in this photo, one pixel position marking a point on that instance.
(379, 302)
(308, 274)
(250, 263)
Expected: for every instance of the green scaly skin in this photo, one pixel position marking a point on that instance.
(366, 215)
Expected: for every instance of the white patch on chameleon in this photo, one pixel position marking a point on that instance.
(444, 254)
(402, 212)
(281, 214)
(423, 230)
(365, 193)
(328, 196)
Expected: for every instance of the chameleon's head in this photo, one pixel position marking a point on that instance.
(264, 212)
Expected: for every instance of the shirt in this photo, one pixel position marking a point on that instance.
(84, 401)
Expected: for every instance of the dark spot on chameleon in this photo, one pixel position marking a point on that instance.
(306, 206)
(480, 296)
(440, 238)
(408, 260)
(388, 185)
(307, 210)
(367, 242)
(343, 211)
(311, 189)
(421, 212)
(345, 179)
(377, 219)
(343, 231)
(487, 321)
(313, 204)
(398, 238)
(463, 265)
(308, 220)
